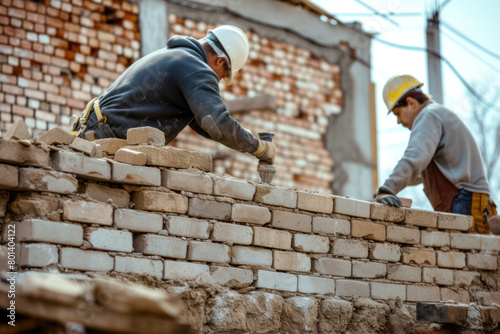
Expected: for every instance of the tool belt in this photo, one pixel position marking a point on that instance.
(483, 210)
(82, 120)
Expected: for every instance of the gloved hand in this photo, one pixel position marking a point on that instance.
(266, 151)
(388, 199)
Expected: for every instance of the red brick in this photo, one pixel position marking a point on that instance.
(18, 3)
(19, 13)
(9, 89)
(23, 111)
(4, 20)
(36, 18)
(34, 94)
(50, 21)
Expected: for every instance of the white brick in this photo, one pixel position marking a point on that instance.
(291, 221)
(490, 244)
(145, 135)
(350, 247)
(111, 240)
(232, 277)
(88, 212)
(331, 226)
(252, 214)
(139, 266)
(138, 221)
(435, 239)
(119, 197)
(276, 281)
(421, 218)
(138, 175)
(311, 284)
(415, 293)
(450, 259)
(82, 166)
(209, 209)
(188, 227)
(236, 234)
(182, 181)
(449, 221)
(314, 202)
(252, 256)
(9, 176)
(278, 196)
(403, 235)
(151, 244)
(465, 241)
(351, 288)
(419, 256)
(37, 179)
(74, 258)
(388, 291)
(224, 186)
(38, 255)
(267, 237)
(482, 261)
(466, 278)
(335, 267)
(386, 213)
(385, 252)
(352, 207)
(438, 276)
(184, 271)
(160, 201)
(208, 252)
(308, 243)
(291, 261)
(368, 269)
(397, 272)
(48, 231)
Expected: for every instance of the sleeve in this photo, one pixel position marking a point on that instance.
(424, 140)
(201, 91)
(193, 125)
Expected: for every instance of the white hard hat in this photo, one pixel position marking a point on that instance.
(397, 87)
(235, 45)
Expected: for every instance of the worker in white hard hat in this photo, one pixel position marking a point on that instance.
(441, 153)
(174, 87)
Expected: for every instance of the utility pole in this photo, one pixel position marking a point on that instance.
(433, 60)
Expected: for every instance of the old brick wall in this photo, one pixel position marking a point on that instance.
(174, 221)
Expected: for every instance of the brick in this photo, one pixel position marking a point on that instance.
(138, 175)
(490, 244)
(450, 259)
(398, 272)
(449, 221)
(291, 221)
(386, 213)
(150, 244)
(465, 241)
(385, 252)
(403, 235)
(291, 261)
(438, 276)
(209, 209)
(314, 202)
(208, 252)
(188, 227)
(126, 264)
(111, 240)
(232, 277)
(137, 221)
(88, 212)
(331, 226)
(488, 298)
(19, 130)
(236, 234)
(37, 179)
(252, 256)
(270, 238)
(119, 197)
(461, 296)
(421, 218)
(335, 267)
(145, 135)
(56, 136)
(466, 278)
(367, 230)
(252, 214)
(482, 261)
(38, 255)
(351, 288)
(18, 154)
(368, 269)
(131, 157)
(227, 187)
(85, 146)
(388, 291)
(416, 293)
(350, 247)
(307, 243)
(9, 177)
(82, 166)
(78, 259)
(352, 207)
(173, 157)
(311, 284)
(276, 281)
(160, 201)
(278, 196)
(111, 145)
(184, 271)
(48, 231)
(435, 239)
(192, 182)
(4, 198)
(443, 313)
(419, 256)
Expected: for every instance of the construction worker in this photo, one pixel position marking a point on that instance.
(174, 87)
(441, 153)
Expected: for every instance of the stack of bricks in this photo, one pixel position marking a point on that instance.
(306, 91)
(56, 55)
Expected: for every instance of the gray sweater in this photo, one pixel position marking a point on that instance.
(439, 134)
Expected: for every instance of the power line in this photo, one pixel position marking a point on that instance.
(377, 12)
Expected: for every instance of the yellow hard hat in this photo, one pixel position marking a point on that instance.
(397, 87)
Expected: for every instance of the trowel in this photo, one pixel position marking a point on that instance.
(266, 170)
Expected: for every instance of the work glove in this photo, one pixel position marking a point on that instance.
(265, 152)
(388, 199)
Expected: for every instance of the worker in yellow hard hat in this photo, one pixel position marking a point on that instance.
(441, 153)
(174, 87)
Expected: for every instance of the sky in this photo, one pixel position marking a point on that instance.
(476, 20)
